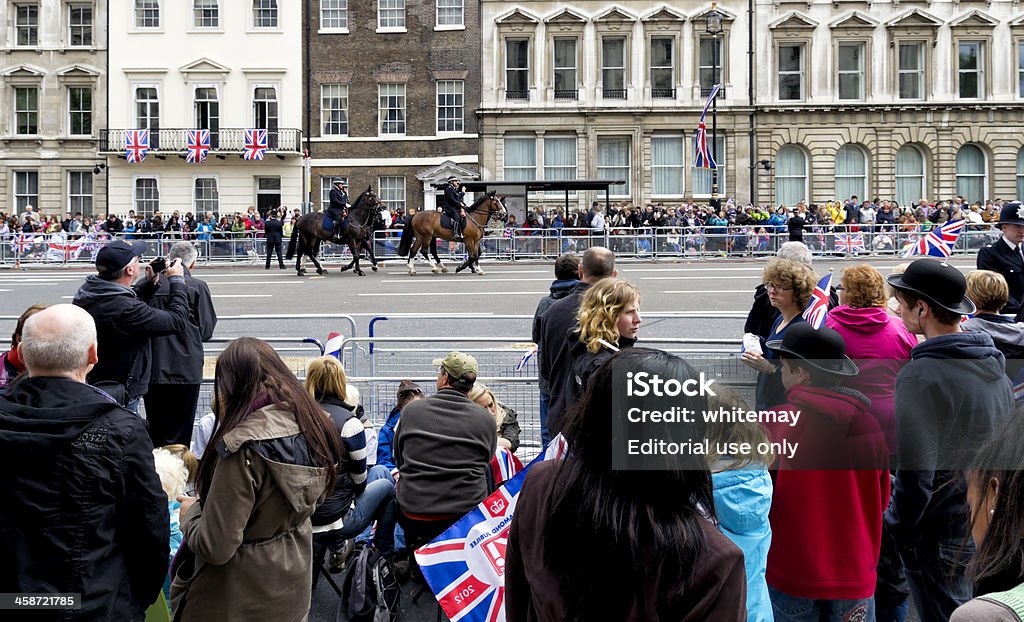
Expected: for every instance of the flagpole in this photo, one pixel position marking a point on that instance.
(713, 26)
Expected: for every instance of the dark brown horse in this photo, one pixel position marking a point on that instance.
(309, 233)
(423, 230)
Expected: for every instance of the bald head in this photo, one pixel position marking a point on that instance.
(59, 341)
(597, 263)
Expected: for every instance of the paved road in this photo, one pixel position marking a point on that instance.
(713, 288)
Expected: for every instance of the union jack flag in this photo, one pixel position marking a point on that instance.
(849, 242)
(24, 243)
(505, 465)
(255, 144)
(704, 158)
(817, 309)
(136, 144)
(90, 244)
(465, 565)
(333, 345)
(938, 242)
(198, 145)
(526, 358)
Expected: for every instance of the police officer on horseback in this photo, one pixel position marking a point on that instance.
(338, 208)
(454, 206)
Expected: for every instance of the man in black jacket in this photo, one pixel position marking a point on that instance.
(1006, 255)
(177, 359)
(567, 271)
(273, 229)
(951, 398)
(83, 510)
(125, 321)
(555, 360)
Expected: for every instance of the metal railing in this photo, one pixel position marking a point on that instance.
(223, 140)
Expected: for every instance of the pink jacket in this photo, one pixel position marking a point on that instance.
(880, 344)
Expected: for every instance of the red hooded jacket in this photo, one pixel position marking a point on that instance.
(827, 524)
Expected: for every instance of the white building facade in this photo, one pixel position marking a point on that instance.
(225, 66)
(900, 100)
(52, 97)
(603, 90)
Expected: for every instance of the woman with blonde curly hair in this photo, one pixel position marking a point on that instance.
(789, 285)
(609, 318)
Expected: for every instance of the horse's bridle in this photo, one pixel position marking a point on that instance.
(369, 213)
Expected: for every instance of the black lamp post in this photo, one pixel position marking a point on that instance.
(713, 26)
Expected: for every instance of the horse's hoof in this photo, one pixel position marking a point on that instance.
(443, 269)
(321, 272)
(360, 273)
(458, 270)
(412, 273)
(374, 268)
(435, 270)
(481, 273)
(301, 273)
(344, 268)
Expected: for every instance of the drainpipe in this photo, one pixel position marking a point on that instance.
(307, 191)
(750, 100)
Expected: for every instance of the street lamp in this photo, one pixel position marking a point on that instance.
(713, 26)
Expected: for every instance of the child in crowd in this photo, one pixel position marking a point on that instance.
(172, 465)
(743, 496)
(829, 497)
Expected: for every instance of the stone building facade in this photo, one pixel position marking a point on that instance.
(903, 100)
(603, 90)
(392, 87)
(52, 96)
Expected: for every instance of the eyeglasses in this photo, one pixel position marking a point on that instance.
(777, 287)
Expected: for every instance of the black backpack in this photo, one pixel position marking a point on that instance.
(369, 588)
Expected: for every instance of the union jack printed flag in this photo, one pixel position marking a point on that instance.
(198, 145)
(938, 242)
(817, 309)
(526, 358)
(704, 158)
(849, 242)
(91, 245)
(24, 243)
(136, 144)
(255, 144)
(505, 465)
(333, 345)
(465, 565)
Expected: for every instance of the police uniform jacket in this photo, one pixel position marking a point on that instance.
(453, 199)
(339, 202)
(999, 257)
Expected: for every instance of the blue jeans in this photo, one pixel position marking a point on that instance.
(376, 503)
(936, 574)
(375, 473)
(545, 435)
(793, 609)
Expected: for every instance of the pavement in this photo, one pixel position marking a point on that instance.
(431, 305)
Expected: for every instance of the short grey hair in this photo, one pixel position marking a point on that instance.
(795, 251)
(57, 339)
(185, 251)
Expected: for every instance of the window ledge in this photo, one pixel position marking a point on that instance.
(198, 30)
(146, 31)
(391, 30)
(449, 27)
(255, 30)
(332, 31)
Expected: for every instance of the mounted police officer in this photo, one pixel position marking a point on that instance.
(454, 206)
(338, 209)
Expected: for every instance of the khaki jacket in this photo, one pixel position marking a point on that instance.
(252, 536)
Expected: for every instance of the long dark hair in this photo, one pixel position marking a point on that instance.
(250, 375)
(998, 564)
(605, 519)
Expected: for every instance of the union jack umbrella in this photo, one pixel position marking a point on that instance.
(849, 242)
(465, 565)
(136, 144)
(817, 309)
(255, 144)
(198, 145)
(704, 158)
(938, 242)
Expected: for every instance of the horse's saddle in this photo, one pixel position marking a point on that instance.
(448, 223)
(328, 223)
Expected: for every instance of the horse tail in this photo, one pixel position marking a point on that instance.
(292, 242)
(406, 242)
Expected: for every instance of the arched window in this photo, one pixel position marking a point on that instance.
(909, 176)
(851, 173)
(971, 175)
(790, 176)
(1020, 174)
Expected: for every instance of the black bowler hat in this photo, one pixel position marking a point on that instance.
(937, 282)
(118, 254)
(823, 348)
(1011, 214)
